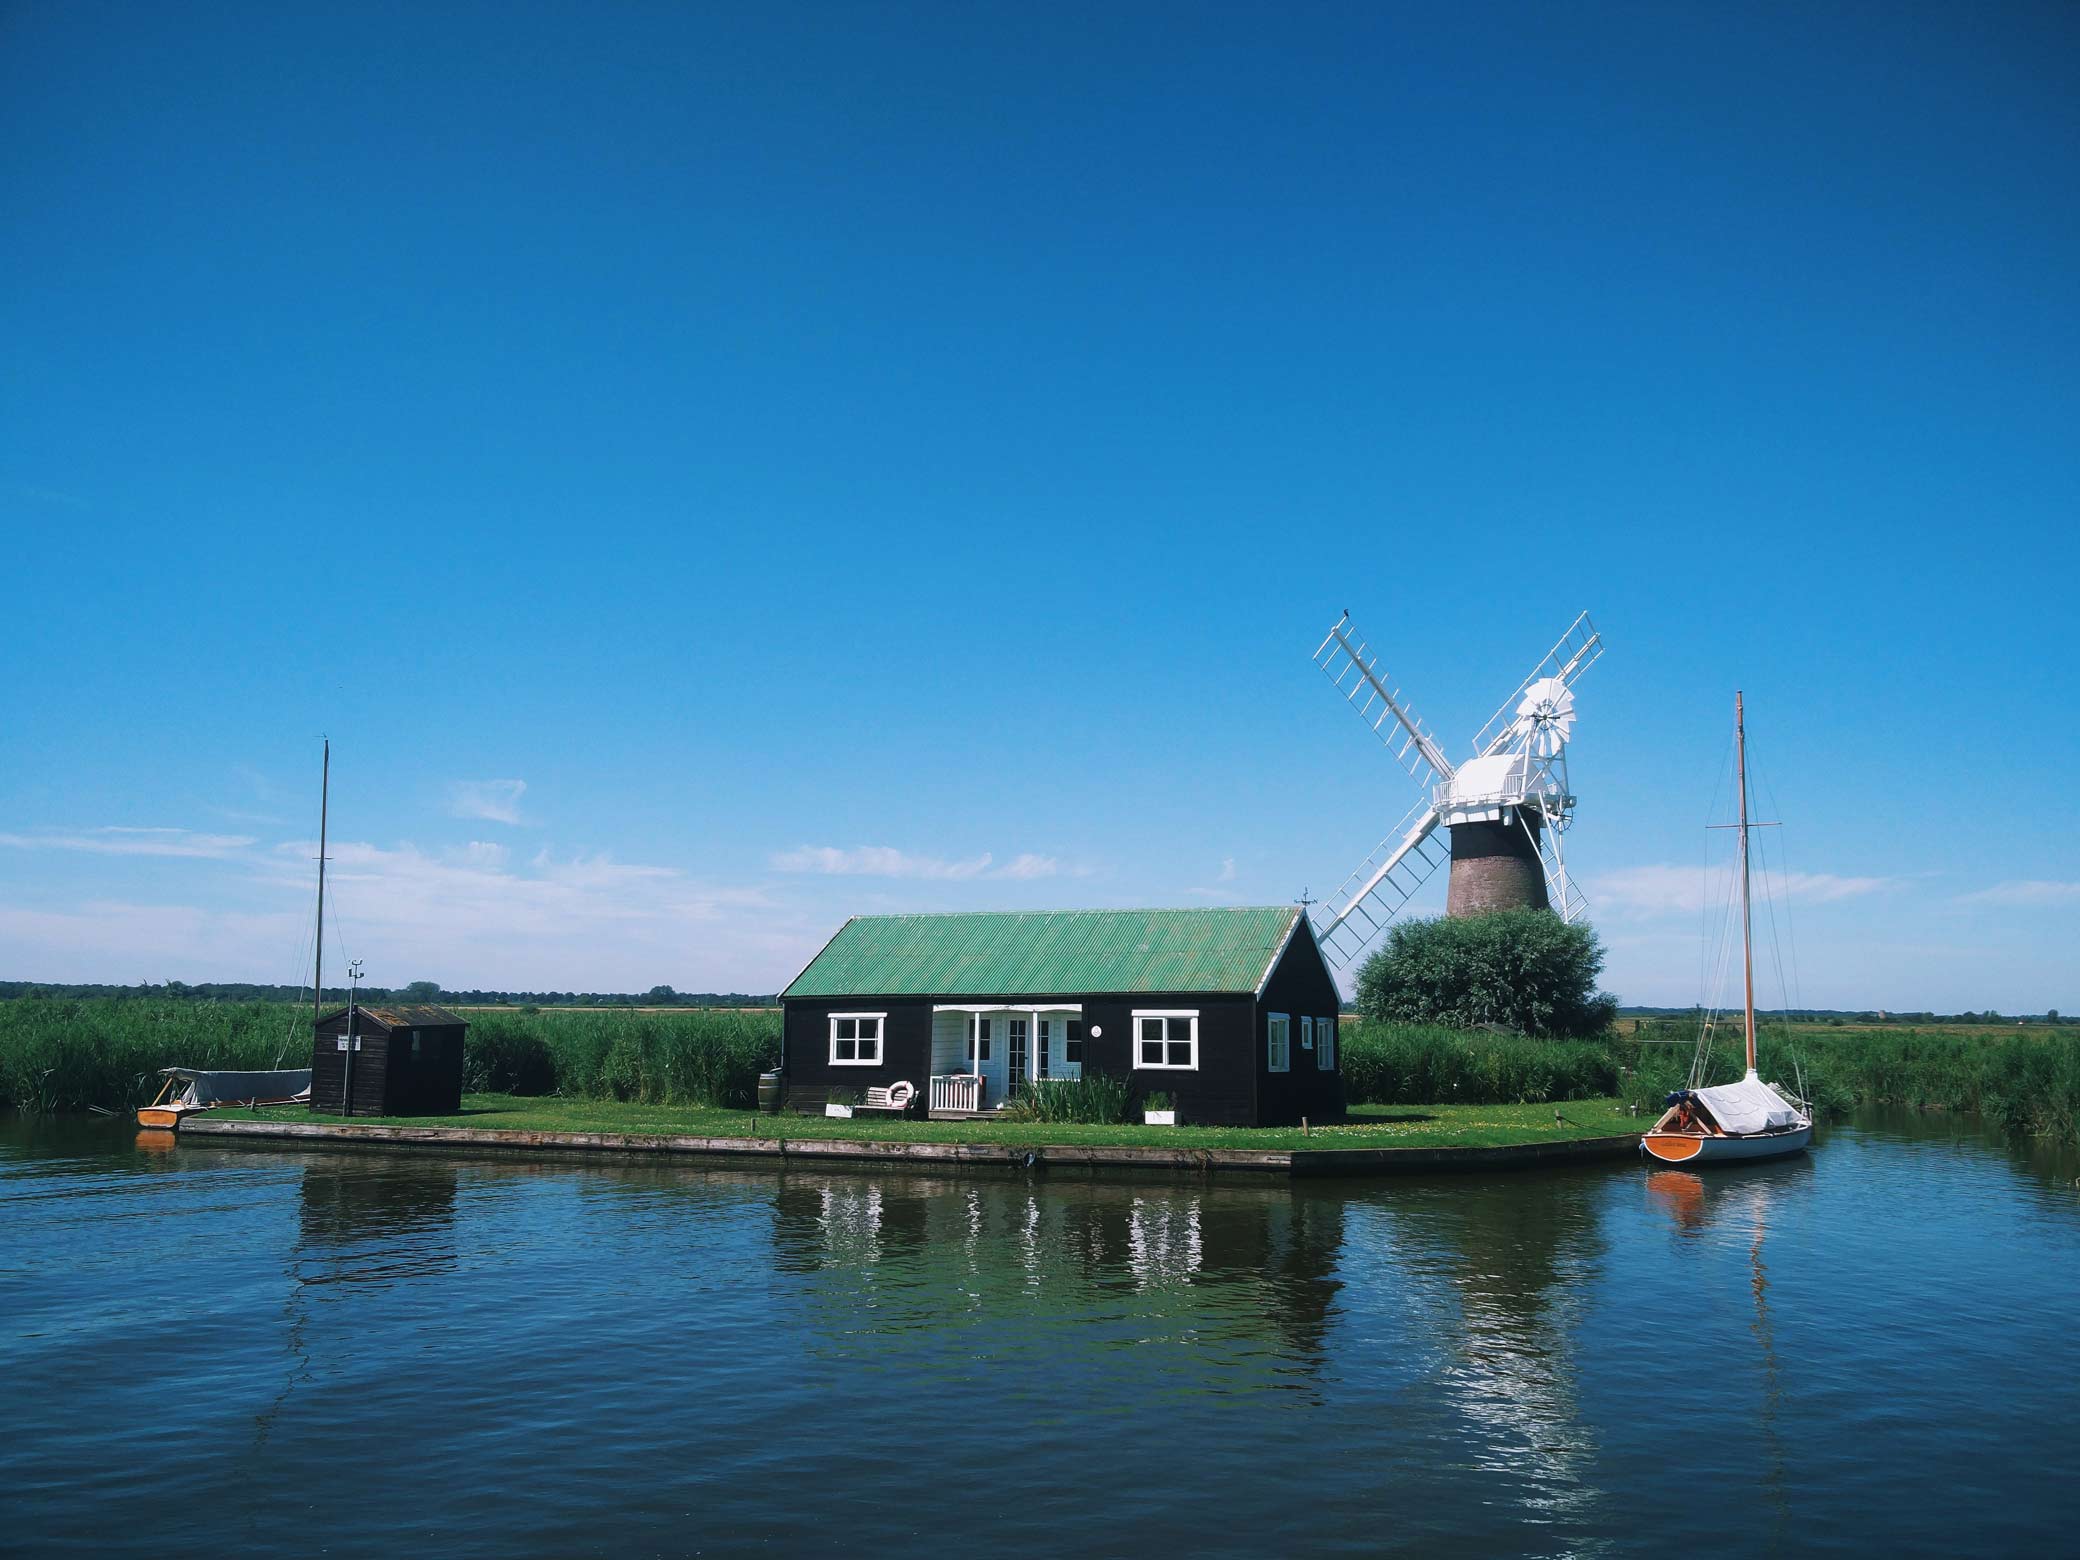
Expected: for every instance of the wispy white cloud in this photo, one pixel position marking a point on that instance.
(1227, 872)
(468, 915)
(1029, 866)
(886, 861)
(116, 840)
(472, 915)
(1662, 889)
(497, 801)
(877, 861)
(1826, 887)
(2025, 891)
(117, 940)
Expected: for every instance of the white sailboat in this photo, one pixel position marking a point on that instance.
(1745, 1120)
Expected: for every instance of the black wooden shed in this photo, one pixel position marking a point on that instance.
(407, 1061)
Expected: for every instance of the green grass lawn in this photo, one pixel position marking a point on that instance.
(1369, 1126)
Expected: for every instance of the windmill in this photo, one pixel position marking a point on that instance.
(1504, 810)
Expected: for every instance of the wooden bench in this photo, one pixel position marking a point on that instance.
(896, 1097)
(810, 1100)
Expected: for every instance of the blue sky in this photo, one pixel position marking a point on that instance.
(713, 470)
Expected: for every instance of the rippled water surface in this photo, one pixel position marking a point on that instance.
(245, 1350)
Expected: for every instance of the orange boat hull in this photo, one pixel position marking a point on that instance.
(1673, 1147)
(1677, 1148)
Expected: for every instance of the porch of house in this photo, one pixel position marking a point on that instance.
(983, 1053)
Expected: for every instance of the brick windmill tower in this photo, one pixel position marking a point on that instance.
(1503, 812)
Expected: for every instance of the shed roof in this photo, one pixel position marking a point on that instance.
(1050, 953)
(403, 1015)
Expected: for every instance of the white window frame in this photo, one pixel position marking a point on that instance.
(858, 1040)
(981, 1046)
(1278, 1042)
(1306, 1033)
(1134, 1019)
(1325, 1048)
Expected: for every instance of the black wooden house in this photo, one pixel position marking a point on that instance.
(407, 1061)
(1230, 1012)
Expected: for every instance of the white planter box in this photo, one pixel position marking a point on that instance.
(1160, 1118)
(844, 1112)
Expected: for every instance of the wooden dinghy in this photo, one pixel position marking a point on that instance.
(187, 1091)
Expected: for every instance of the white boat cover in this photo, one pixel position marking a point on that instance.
(211, 1088)
(1749, 1106)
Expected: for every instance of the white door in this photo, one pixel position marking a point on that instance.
(1018, 1063)
(986, 1056)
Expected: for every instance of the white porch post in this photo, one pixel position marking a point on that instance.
(971, 1053)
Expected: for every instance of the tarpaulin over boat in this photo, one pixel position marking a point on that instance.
(212, 1088)
(1749, 1106)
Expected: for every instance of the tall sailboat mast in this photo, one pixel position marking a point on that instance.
(1750, 1119)
(1740, 742)
(318, 970)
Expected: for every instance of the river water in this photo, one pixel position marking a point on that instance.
(244, 1350)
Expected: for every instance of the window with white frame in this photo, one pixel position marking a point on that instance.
(1167, 1039)
(1307, 1034)
(1325, 1044)
(978, 1039)
(1278, 1054)
(856, 1039)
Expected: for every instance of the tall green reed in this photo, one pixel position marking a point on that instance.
(59, 1054)
(1427, 1064)
(1096, 1098)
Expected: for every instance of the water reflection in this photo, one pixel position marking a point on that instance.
(1738, 1201)
(1249, 1271)
(372, 1220)
(1496, 1272)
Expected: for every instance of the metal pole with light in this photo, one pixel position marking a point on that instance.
(353, 1041)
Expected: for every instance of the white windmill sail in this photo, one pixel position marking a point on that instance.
(1351, 665)
(1382, 883)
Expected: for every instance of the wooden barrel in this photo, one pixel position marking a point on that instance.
(770, 1089)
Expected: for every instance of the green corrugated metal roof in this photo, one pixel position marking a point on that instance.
(1048, 953)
